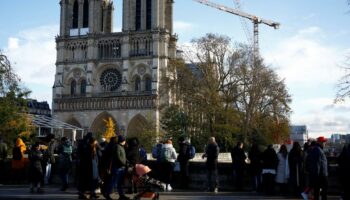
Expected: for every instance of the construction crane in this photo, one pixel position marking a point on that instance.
(256, 20)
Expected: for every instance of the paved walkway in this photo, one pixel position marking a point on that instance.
(53, 193)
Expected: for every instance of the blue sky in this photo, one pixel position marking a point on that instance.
(307, 51)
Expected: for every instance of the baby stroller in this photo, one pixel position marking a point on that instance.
(146, 186)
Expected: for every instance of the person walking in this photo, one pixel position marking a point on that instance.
(18, 162)
(269, 163)
(168, 157)
(238, 163)
(65, 161)
(35, 168)
(255, 167)
(295, 160)
(212, 151)
(3, 157)
(317, 166)
(119, 163)
(282, 175)
(183, 159)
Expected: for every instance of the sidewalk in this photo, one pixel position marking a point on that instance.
(52, 192)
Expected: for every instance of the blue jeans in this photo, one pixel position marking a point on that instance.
(117, 178)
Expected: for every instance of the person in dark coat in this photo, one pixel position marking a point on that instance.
(296, 170)
(35, 168)
(270, 162)
(317, 167)
(238, 163)
(133, 157)
(212, 153)
(344, 172)
(255, 167)
(119, 163)
(133, 152)
(84, 167)
(184, 162)
(106, 164)
(65, 161)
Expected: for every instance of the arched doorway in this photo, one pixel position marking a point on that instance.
(141, 128)
(98, 127)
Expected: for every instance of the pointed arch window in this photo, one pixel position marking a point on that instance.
(75, 14)
(73, 87)
(149, 14)
(148, 84)
(83, 87)
(138, 15)
(137, 84)
(86, 14)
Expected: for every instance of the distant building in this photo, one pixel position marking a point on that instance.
(299, 134)
(38, 108)
(41, 109)
(336, 137)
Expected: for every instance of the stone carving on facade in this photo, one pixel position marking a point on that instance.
(77, 74)
(141, 70)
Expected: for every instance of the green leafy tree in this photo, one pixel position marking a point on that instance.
(13, 120)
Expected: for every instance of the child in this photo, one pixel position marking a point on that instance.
(35, 168)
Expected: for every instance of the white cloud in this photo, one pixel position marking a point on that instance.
(304, 60)
(311, 69)
(13, 43)
(180, 26)
(32, 54)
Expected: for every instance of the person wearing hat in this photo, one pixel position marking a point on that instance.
(119, 162)
(317, 167)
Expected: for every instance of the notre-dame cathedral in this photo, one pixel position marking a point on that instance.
(102, 74)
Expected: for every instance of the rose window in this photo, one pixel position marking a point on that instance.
(111, 79)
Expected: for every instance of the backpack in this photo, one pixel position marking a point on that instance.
(16, 153)
(191, 152)
(156, 150)
(166, 155)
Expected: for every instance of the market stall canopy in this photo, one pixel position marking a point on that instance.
(43, 121)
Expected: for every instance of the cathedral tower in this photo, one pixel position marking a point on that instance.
(101, 73)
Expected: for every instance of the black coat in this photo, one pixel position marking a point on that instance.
(133, 155)
(84, 167)
(269, 159)
(296, 169)
(183, 155)
(238, 158)
(212, 154)
(255, 166)
(35, 167)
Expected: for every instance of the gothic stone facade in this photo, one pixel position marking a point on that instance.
(101, 73)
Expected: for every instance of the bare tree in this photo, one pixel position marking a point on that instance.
(343, 86)
(223, 89)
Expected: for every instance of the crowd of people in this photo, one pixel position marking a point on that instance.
(300, 171)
